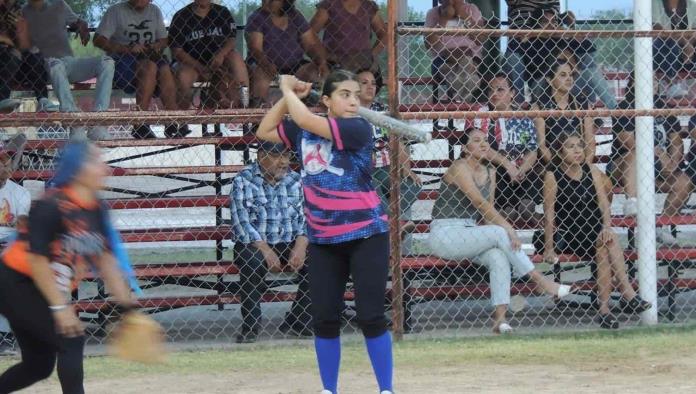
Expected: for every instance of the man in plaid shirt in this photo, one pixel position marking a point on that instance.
(269, 232)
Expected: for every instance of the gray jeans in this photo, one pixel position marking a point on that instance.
(69, 69)
(461, 239)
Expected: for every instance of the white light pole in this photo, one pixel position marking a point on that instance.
(645, 161)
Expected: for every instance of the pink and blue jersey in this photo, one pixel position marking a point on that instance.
(340, 202)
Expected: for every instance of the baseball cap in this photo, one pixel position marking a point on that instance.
(271, 147)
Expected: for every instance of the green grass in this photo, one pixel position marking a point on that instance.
(583, 348)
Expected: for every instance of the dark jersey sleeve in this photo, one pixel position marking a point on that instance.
(350, 133)
(229, 26)
(45, 223)
(288, 131)
(176, 33)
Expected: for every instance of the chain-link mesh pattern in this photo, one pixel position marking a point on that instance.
(507, 174)
(467, 201)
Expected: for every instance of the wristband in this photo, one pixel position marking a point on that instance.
(57, 308)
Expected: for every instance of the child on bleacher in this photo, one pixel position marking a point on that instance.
(466, 226)
(578, 221)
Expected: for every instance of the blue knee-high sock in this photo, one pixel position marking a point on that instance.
(329, 360)
(380, 351)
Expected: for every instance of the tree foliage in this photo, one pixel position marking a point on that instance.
(612, 53)
(90, 10)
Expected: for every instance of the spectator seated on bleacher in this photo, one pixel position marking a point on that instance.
(558, 95)
(278, 36)
(133, 34)
(539, 54)
(526, 55)
(19, 65)
(411, 184)
(268, 232)
(348, 27)
(578, 221)
(520, 16)
(15, 201)
(672, 55)
(514, 154)
(466, 226)
(48, 21)
(456, 58)
(202, 38)
(669, 177)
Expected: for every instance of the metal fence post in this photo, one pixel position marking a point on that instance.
(645, 168)
(394, 176)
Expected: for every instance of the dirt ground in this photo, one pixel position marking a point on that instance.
(639, 375)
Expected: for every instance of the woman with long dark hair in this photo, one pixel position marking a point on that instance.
(346, 224)
(578, 221)
(558, 95)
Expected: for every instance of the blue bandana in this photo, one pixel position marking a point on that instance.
(70, 161)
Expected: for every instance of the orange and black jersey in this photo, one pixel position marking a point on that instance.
(70, 232)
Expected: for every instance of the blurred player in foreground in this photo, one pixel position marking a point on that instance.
(66, 236)
(346, 224)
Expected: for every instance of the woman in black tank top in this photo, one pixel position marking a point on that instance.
(578, 221)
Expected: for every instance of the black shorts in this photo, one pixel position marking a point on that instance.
(580, 242)
(25, 308)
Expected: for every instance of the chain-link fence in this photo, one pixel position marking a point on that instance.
(534, 128)
(529, 181)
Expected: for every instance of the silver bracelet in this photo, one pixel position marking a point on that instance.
(57, 308)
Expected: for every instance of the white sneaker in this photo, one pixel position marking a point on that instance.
(386, 392)
(664, 237)
(326, 392)
(630, 206)
(46, 105)
(9, 105)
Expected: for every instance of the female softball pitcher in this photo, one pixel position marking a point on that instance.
(346, 225)
(66, 235)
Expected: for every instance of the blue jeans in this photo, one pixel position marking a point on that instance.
(69, 69)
